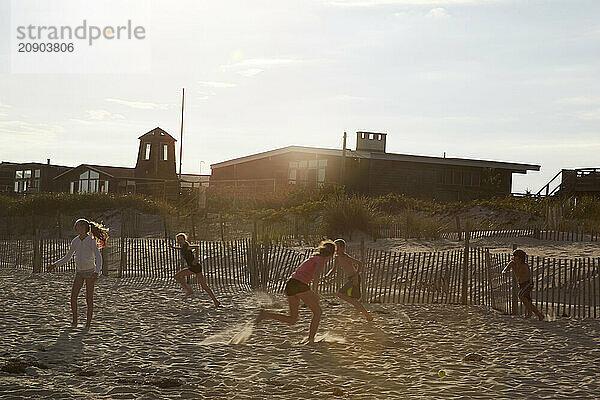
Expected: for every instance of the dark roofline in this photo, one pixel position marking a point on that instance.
(516, 167)
(160, 129)
(34, 163)
(95, 168)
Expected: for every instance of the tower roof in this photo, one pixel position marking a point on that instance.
(157, 132)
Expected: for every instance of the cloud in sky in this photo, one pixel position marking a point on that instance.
(102, 115)
(139, 105)
(250, 72)
(216, 84)
(438, 12)
(593, 115)
(254, 66)
(560, 145)
(18, 134)
(263, 62)
(580, 101)
(377, 3)
(3, 110)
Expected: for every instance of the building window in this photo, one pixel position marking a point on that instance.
(165, 152)
(147, 151)
(103, 186)
(24, 180)
(292, 175)
(307, 172)
(321, 175)
(89, 182)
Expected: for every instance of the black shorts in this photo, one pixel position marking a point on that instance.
(294, 286)
(525, 289)
(195, 268)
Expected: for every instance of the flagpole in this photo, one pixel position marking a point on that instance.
(181, 136)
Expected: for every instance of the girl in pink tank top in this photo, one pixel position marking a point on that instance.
(296, 289)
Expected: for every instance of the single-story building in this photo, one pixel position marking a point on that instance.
(369, 169)
(29, 177)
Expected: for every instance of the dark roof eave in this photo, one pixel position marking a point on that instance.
(515, 167)
(96, 168)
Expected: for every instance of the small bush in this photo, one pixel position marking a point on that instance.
(343, 215)
(49, 203)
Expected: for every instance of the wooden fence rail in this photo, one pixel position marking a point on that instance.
(562, 287)
(566, 236)
(490, 233)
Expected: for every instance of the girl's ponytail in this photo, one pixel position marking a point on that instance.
(99, 232)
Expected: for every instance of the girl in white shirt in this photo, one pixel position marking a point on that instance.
(88, 263)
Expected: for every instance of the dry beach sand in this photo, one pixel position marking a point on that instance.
(532, 246)
(147, 342)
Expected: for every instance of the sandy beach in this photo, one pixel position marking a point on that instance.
(532, 246)
(148, 342)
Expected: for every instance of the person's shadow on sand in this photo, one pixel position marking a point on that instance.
(68, 345)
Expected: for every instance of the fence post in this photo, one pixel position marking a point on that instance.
(104, 261)
(251, 256)
(165, 227)
(488, 275)
(363, 281)
(122, 247)
(36, 252)
(465, 277)
(515, 290)
(458, 228)
(222, 227)
(193, 226)
(58, 223)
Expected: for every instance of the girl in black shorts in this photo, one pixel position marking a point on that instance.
(297, 289)
(193, 267)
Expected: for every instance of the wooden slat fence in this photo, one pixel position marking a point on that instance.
(490, 233)
(564, 236)
(562, 287)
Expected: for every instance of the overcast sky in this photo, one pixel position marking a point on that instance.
(500, 80)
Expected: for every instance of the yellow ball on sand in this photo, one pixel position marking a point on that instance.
(441, 373)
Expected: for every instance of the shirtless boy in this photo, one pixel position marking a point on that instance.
(522, 274)
(350, 292)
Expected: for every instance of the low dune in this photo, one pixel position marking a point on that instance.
(532, 246)
(146, 341)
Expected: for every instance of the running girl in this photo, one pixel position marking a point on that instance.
(350, 292)
(88, 263)
(297, 289)
(189, 253)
